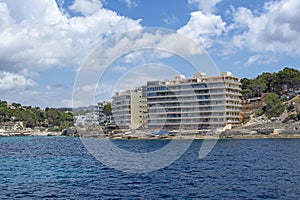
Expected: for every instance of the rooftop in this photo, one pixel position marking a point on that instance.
(198, 77)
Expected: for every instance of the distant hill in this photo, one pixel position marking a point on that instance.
(83, 110)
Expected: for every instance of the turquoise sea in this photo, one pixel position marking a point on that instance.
(61, 168)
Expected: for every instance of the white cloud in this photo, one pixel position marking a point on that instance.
(203, 28)
(27, 73)
(38, 35)
(40, 12)
(12, 82)
(5, 18)
(130, 3)
(147, 55)
(141, 46)
(170, 19)
(135, 56)
(275, 30)
(86, 7)
(207, 6)
(261, 59)
(88, 94)
(253, 59)
(45, 37)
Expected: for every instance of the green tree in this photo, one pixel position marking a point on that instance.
(247, 93)
(67, 120)
(53, 116)
(107, 109)
(254, 87)
(267, 78)
(287, 80)
(16, 105)
(34, 116)
(245, 83)
(5, 114)
(283, 82)
(3, 103)
(258, 86)
(273, 106)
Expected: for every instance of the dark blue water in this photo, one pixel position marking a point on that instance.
(61, 168)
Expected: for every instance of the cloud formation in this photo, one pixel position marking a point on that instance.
(275, 30)
(130, 3)
(14, 82)
(46, 37)
(86, 7)
(207, 6)
(252, 59)
(203, 28)
(39, 35)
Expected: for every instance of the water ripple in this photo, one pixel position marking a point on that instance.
(61, 168)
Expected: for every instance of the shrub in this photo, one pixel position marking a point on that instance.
(274, 106)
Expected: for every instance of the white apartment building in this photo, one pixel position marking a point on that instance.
(129, 109)
(196, 103)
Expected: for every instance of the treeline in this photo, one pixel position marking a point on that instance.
(55, 119)
(284, 82)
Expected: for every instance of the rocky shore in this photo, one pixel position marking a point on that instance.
(15, 133)
(263, 130)
(252, 131)
(249, 131)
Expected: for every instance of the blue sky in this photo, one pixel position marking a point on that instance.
(44, 43)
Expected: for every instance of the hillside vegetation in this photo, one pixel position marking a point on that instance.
(32, 117)
(277, 92)
(285, 82)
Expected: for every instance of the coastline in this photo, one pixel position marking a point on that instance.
(262, 130)
(21, 133)
(132, 137)
(272, 130)
(124, 136)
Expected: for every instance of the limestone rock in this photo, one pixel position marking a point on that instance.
(71, 131)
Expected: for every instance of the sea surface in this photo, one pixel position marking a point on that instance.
(61, 168)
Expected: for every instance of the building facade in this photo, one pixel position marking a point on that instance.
(88, 119)
(196, 103)
(129, 109)
(103, 117)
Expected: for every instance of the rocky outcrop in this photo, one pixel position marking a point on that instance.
(265, 129)
(71, 131)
